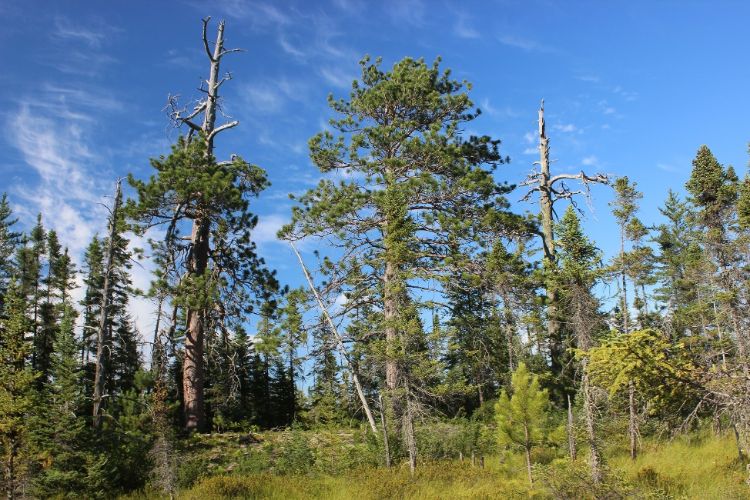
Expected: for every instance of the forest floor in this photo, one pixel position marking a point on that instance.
(334, 465)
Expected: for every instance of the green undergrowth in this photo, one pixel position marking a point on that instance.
(346, 464)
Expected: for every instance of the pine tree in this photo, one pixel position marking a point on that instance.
(191, 188)
(522, 418)
(416, 185)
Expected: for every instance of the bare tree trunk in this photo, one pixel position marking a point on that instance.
(339, 342)
(551, 189)
(386, 445)
(624, 295)
(595, 459)
(410, 437)
(548, 242)
(102, 339)
(633, 421)
(571, 432)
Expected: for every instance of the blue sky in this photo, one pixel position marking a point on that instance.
(631, 88)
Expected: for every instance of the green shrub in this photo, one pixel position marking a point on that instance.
(295, 455)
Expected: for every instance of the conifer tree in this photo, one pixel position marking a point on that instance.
(192, 190)
(625, 206)
(9, 241)
(16, 388)
(579, 269)
(416, 186)
(522, 418)
(62, 438)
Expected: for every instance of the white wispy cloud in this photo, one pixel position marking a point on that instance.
(606, 108)
(463, 29)
(522, 43)
(93, 35)
(565, 127)
(260, 15)
(628, 95)
(505, 111)
(589, 78)
(263, 98)
(407, 12)
(590, 161)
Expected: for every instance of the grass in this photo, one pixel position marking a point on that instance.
(688, 467)
(341, 465)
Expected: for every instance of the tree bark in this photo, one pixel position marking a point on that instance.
(193, 367)
(546, 201)
(633, 421)
(595, 459)
(527, 448)
(102, 338)
(386, 445)
(571, 432)
(390, 317)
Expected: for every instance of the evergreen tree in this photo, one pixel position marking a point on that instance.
(417, 187)
(16, 388)
(62, 438)
(9, 241)
(579, 271)
(220, 262)
(522, 418)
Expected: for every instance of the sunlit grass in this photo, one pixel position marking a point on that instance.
(687, 467)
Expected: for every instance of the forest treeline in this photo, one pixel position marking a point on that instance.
(432, 299)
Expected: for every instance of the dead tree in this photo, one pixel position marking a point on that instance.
(193, 369)
(339, 343)
(102, 336)
(552, 189)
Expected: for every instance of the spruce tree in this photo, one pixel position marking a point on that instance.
(9, 241)
(579, 270)
(16, 388)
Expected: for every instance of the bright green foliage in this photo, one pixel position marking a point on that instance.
(662, 371)
(522, 418)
